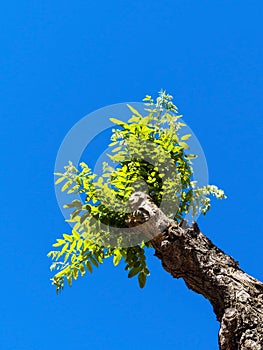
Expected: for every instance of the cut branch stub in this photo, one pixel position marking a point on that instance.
(146, 216)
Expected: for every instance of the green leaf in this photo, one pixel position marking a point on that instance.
(142, 279)
(134, 119)
(75, 213)
(184, 145)
(72, 246)
(134, 271)
(116, 149)
(64, 248)
(82, 269)
(50, 254)
(75, 273)
(89, 266)
(84, 217)
(66, 258)
(118, 122)
(134, 111)
(79, 245)
(191, 156)
(76, 234)
(67, 237)
(186, 137)
(74, 204)
(117, 257)
(73, 189)
(66, 186)
(59, 180)
(94, 262)
(59, 174)
(59, 243)
(69, 279)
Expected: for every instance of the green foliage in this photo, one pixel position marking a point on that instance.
(146, 149)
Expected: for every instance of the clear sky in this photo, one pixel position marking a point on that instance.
(63, 59)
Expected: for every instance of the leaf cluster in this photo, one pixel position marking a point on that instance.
(148, 154)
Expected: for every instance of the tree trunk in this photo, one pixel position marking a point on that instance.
(236, 297)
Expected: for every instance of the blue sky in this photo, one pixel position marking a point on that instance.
(62, 60)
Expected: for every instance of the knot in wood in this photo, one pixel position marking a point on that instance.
(175, 230)
(230, 315)
(165, 244)
(138, 199)
(242, 296)
(139, 216)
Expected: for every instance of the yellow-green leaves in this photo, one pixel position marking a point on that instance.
(142, 151)
(186, 137)
(60, 179)
(59, 243)
(118, 122)
(117, 256)
(74, 204)
(136, 264)
(83, 255)
(66, 186)
(142, 279)
(134, 111)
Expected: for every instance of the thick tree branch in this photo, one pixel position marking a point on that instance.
(185, 252)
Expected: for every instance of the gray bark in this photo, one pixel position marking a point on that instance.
(185, 252)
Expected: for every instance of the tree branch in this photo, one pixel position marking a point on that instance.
(186, 253)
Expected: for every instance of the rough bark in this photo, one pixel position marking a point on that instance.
(185, 252)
